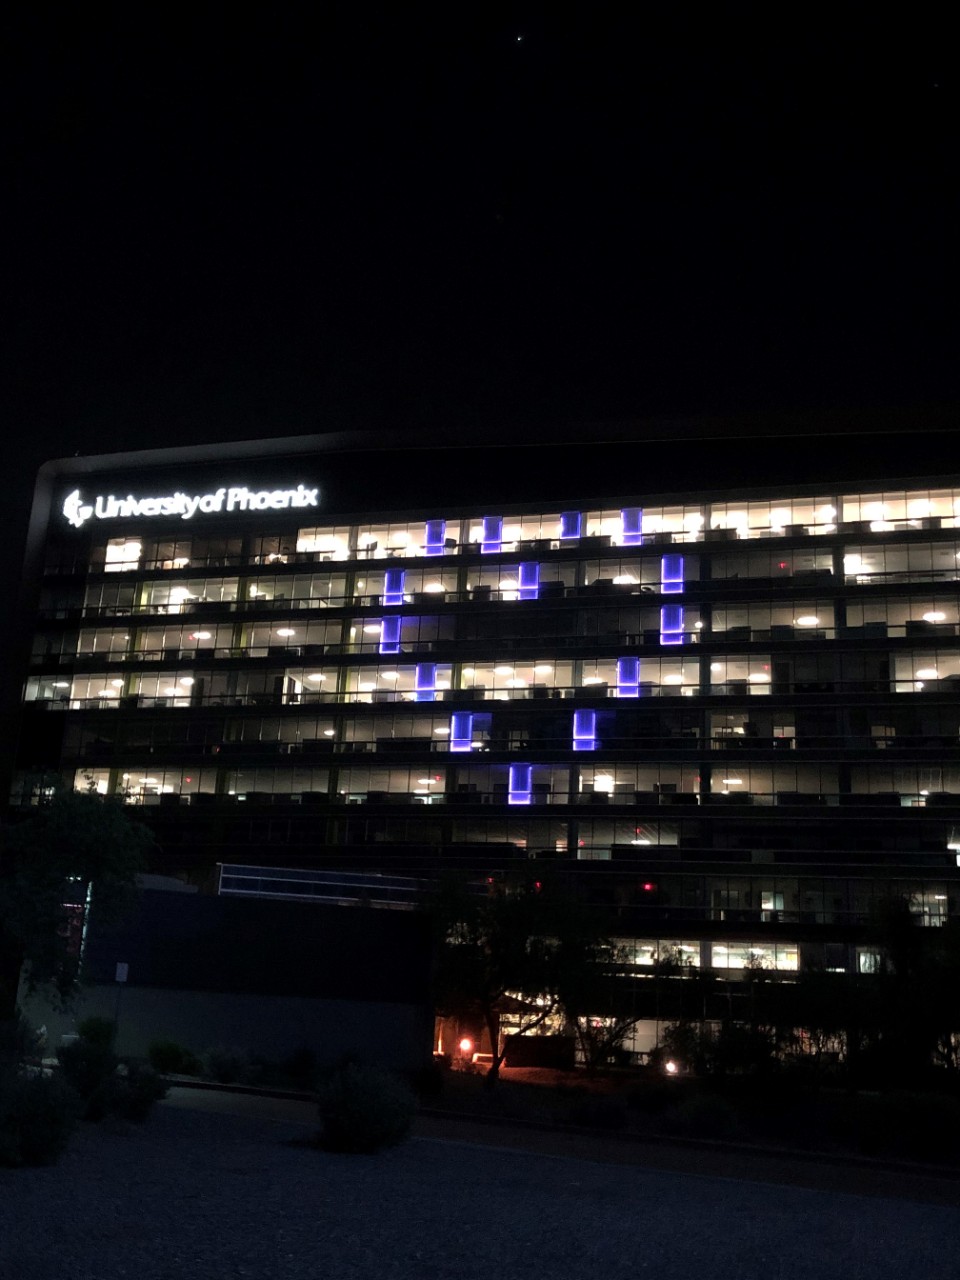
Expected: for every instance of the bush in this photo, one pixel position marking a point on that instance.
(915, 1126)
(226, 1064)
(132, 1096)
(363, 1109)
(172, 1059)
(37, 1116)
(427, 1081)
(88, 1068)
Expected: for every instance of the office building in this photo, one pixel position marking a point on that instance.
(728, 715)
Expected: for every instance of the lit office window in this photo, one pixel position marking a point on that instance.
(122, 553)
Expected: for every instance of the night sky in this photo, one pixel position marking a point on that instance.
(225, 223)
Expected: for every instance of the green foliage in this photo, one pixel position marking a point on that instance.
(172, 1059)
(37, 1116)
(363, 1109)
(49, 860)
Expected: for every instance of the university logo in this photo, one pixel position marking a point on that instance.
(76, 510)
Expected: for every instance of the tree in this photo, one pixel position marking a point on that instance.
(491, 948)
(77, 849)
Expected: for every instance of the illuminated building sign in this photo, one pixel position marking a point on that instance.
(185, 505)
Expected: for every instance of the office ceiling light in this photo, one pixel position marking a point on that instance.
(502, 671)
(285, 631)
(926, 673)
(934, 615)
(758, 677)
(372, 628)
(542, 669)
(328, 733)
(61, 684)
(107, 693)
(509, 584)
(673, 679)
(732, 782)
(469, 671)
(118, 684)
(625, 580)
(443, 730)
(716, 666)
(807, 620)
(426, 782)
(389, 675)
(434, 587)
(366, 686)
(317, 675)
(201, 635)
(592, 680)
(516, 683)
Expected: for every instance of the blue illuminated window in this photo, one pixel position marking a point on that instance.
(529, 580)
(519, 789)
(425, 682)
(631, 519)
(492, 534)
(671, 624)
(390, 635)
(435, 537)
(570, 524)
(585, 730)
(461, 731)
(628, 677)
(671, 574)
(393, 586)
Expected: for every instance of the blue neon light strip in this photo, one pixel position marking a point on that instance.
(390, 635)
(671, 574)
(671, 624)
(393, 586)
(434, 542)
(461, 731)
(631, 519)
(492, 534)
(628, 677)
(570, 524)
(519, 790)
(529, 580)
(585, 730)
(425, 682)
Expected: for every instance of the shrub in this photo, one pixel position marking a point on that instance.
(19, 1041)
(132, 1096)
(363, 1109)
(916, 1126)
(428, 1081)
(226, 1064)
(172, 1059)
(37, 1116)
(88, 1067)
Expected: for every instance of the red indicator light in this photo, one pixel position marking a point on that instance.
(649, 886)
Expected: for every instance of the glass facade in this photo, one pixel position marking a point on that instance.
(727, 714)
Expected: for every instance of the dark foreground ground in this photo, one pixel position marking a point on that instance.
(214, 1187)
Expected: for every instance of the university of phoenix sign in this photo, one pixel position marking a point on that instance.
(185, 505)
